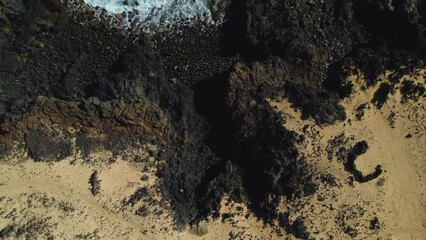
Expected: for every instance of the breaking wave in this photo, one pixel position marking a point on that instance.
(151, 15)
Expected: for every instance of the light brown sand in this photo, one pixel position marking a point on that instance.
(56, 197)
(400, 204)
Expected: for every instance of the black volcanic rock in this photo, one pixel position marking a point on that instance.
(208, 113)
(47, 145)
(359, 149)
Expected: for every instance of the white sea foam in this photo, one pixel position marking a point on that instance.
(150, 15)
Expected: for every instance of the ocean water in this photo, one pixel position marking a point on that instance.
(150, 15)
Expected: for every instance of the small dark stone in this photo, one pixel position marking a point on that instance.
(140, 194)
(142, 211)
(360, 111)
(138, 159)
(328, 179)
(320, 198)
(225, 216)
(7, 231)
(351, 231)
(375, 224)
(95, 183)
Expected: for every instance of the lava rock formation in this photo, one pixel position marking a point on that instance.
(201, 94)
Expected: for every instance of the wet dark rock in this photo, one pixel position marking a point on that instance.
(199, 56)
